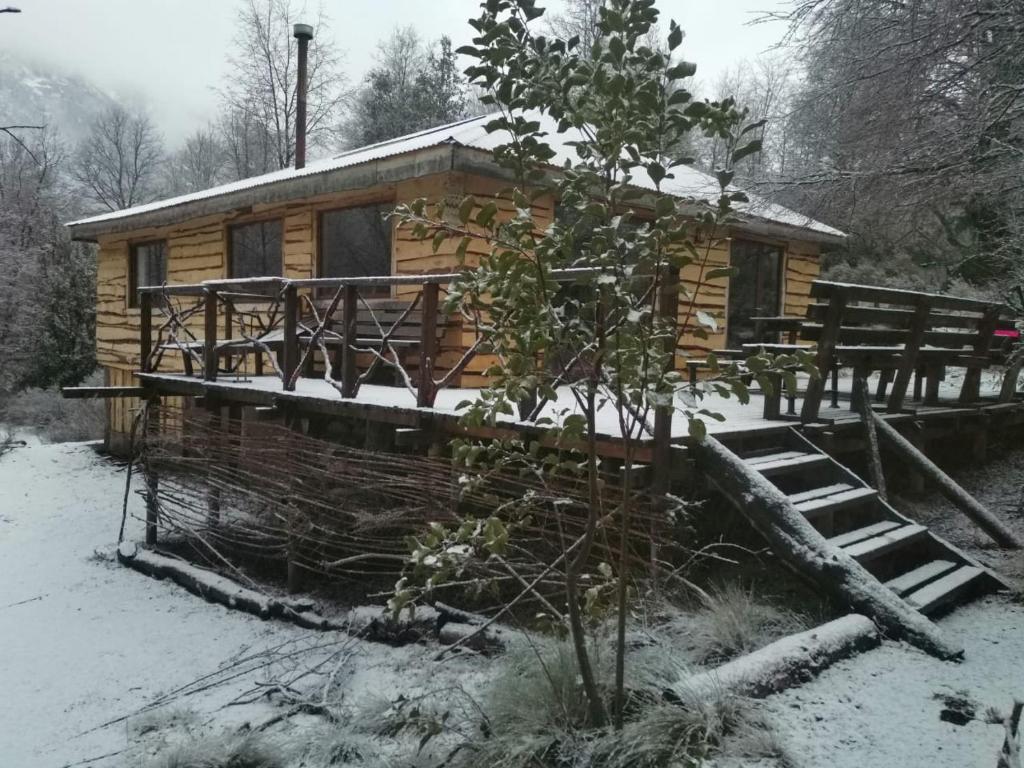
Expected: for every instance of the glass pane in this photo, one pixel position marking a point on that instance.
(754, 291)
(149, 267)
(256, 249)
(356, 242)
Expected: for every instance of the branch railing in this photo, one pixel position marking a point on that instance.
(286, 321)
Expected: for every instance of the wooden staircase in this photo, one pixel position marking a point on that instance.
(926, 571)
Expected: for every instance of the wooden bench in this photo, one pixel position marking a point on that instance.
(900, 333)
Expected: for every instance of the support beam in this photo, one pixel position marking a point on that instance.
(210, 361)
(805, 550)
(860, 387)
(966, 503)
(425, 393)
(101, 393)
(290, 362)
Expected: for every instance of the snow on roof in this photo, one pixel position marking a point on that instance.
(687, 182)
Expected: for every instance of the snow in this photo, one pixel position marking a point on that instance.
(881, 708)
(85, 641)
(688, 183)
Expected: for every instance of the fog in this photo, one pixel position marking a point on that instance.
(171, 54)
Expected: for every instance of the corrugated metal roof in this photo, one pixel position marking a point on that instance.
(686, 182)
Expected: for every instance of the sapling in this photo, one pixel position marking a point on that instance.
(563, 354)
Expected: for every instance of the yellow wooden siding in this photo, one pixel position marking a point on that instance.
(803, 265)
(197, 251)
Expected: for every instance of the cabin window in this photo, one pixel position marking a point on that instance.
(356, 242)
(754, 291)
(256, 249)
(148, 266)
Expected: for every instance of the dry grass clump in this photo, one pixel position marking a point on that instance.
(733, 620)
(225, 751)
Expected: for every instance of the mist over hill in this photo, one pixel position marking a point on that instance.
(32, 93)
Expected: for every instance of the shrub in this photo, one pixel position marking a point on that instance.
(53, 418)
(734, 620)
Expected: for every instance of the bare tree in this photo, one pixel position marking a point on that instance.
(261, 93)
(413, 86)
(907, 130)
(198, 164)
(118, 164)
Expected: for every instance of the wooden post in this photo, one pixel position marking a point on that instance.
(860, 386)
(908, 360)
(145, 330)
(428, 346)
(773, 401)
(349, 331)
(290, 361)
(967, 504)
(934, 378)
(215, 423)
(1009, 387)
(661, 479)
(293, 421)
(970, 390)
(826, 356)
(210, 356)
(152, 426)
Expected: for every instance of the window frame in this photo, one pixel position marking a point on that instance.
(229, 236)
(321, 251)
(132, 297)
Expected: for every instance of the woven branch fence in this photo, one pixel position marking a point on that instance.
(252, 497)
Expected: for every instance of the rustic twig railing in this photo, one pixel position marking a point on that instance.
(281, 320)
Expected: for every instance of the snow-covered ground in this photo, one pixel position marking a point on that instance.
(883, 708)
(84, 641)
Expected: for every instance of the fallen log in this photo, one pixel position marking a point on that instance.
(219, 589)
(373, 623)
(949, 488)
(806, 551)
(787, 662)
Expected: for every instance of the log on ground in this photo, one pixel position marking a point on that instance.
(789, 661)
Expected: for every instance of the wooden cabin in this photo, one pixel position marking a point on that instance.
(326, 220)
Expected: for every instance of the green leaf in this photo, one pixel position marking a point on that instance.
(698, 430)
(747, 149)
(675, 36)
(466, 208)
(721, 272)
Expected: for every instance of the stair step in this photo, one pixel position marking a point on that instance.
(862, 534)
(930, 598)
(842, 500)
(917, 578)
(768, 457)
(886, 542)
(778, 464)
(817, 493)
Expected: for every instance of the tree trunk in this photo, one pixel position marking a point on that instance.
(806, 551)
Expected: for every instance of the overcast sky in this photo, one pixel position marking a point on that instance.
(171, 53)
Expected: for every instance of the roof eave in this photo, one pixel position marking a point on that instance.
(408, 165)
(756, 225)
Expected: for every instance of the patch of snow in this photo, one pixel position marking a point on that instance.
(883, 708)
(84, 641)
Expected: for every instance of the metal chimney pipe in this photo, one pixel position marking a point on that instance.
(303, 33)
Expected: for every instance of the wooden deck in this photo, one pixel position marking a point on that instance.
(397, 406)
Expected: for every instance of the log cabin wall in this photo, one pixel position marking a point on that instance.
(197, 250)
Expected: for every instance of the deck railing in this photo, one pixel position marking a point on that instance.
(286, 321)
